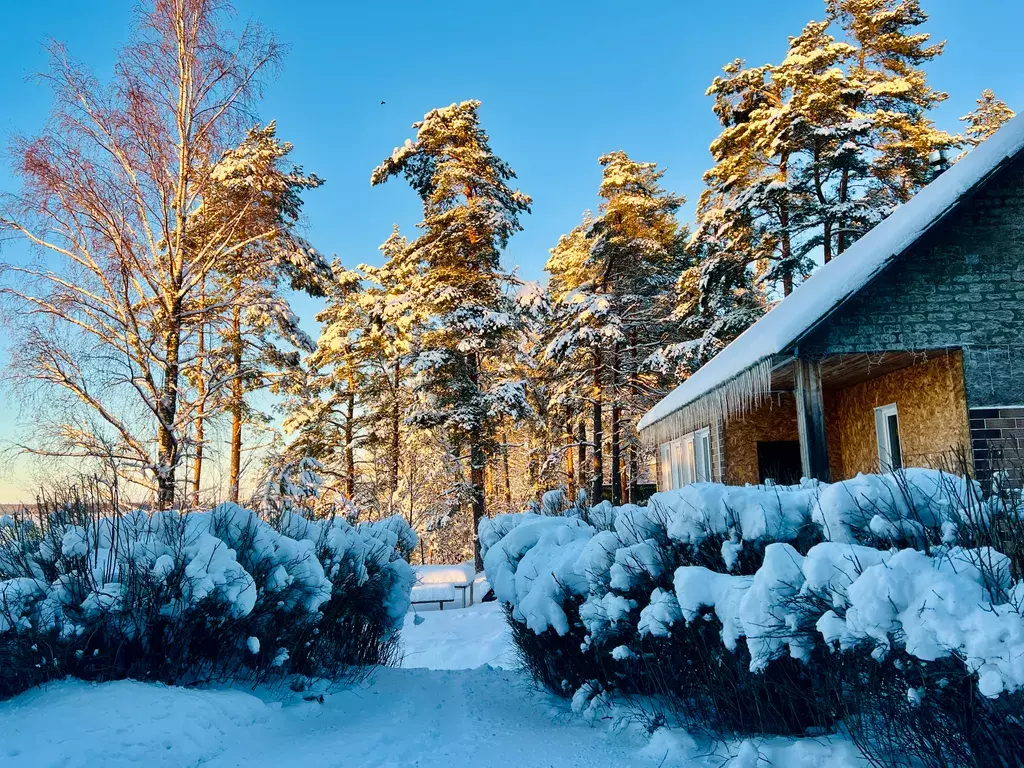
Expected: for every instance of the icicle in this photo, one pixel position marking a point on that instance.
(741, 394)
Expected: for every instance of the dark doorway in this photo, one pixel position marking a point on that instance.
(779, 461)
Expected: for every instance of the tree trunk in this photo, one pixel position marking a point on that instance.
(504, 466)
(197, 470)
(350, 463)
(396, 423)
(844, 194)
(531, 463)
(167, 441)
(616, 430)
(597, 452)
(785, 242)
(476, 481)
(570, 470)
(819, 190)
(581, 454)
(633, 459)
(632, 390)
(477, 462)
(237, 395)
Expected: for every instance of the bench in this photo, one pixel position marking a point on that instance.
(428, 594)
(440, 603)
(464, 588)
(446, 577)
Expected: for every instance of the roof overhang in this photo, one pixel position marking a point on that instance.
(740, 376)
(776, 375)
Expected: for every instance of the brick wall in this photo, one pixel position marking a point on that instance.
(962, 285)
(997, 439)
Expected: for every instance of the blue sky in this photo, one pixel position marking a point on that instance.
(561, 83)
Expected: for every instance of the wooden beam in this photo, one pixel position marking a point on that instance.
(810, 420)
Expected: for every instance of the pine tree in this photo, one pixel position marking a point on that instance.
(389, 346)
(611, 284)
(469, 214)
(638, 247)
(828, 140)
(340, 367)
(368, 342)
(573, 353)
(716, 297)
(744, 201)
(256, 192)
(889, 53)
(813, 152)
(987, 118)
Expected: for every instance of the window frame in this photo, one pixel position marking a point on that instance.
(883, 437)
(688, 459)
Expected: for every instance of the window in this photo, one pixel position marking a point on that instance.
(679, 474)
(665, 455)
(887, 431)
(686, 460)
(702, 456)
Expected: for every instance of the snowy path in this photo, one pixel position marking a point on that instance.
(449, 706)
(402, 717)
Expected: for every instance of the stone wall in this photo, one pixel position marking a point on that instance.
(961, 286)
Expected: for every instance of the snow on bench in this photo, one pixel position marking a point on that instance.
(460, 577)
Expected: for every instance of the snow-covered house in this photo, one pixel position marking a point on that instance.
(903, 351)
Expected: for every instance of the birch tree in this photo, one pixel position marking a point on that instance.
(109, 191)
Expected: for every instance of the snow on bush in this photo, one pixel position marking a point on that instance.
(533, 569)
(205, 594)
(875, 567)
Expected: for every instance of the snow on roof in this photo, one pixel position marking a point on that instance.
(846, 274)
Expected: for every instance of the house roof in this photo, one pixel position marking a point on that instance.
(833, 283)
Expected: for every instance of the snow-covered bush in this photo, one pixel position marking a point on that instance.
(777, 609)
(197, 596)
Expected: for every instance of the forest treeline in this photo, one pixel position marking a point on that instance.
(156, 316)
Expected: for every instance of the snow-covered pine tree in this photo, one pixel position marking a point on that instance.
(365, 350)
(549, 450)
(986, 118)
(746, 197)
(828, 140)
(339, 369)
(255, 190)
(574, 352)
(887, 61)
(743, 231)
(813, 151)
(638, 248)
(611, 295)
(469, 214)
(716, 300)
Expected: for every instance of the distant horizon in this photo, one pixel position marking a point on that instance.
(560, 84)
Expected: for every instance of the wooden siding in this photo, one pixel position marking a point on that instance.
(774, 420)
(932, 409)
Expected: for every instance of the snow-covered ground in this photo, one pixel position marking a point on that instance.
(458, 639)
(445, 707)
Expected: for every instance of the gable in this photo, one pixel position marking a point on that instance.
(959, 286)
(739, 376)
